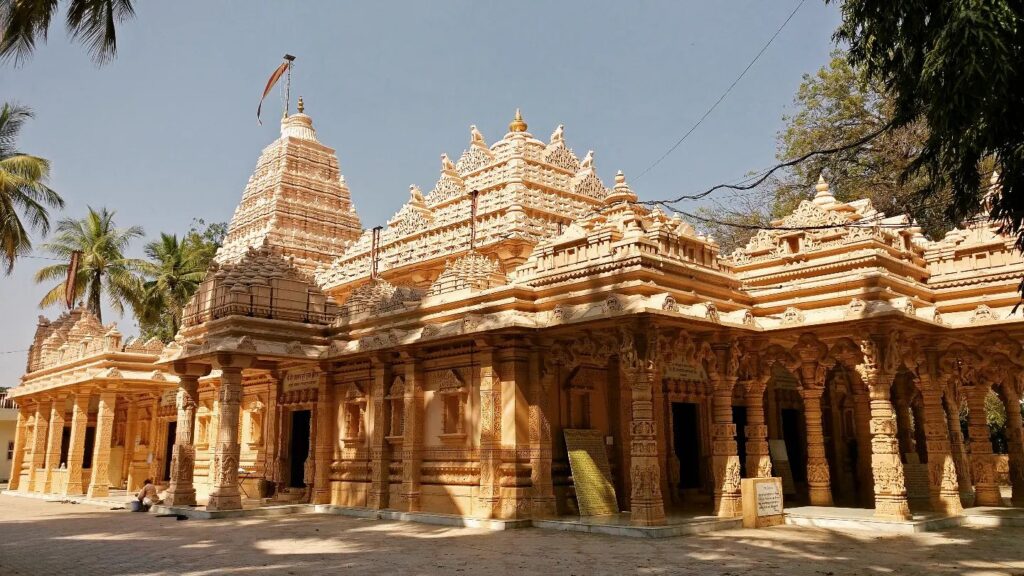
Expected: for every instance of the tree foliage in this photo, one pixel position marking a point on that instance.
(837, 106)
(103, 268)
(23, 190)
(171, 276)
(956, 67)
(91, 22)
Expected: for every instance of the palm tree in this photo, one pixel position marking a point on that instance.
(173, 274)
(23, 190)
(92, 22)
(103, 268)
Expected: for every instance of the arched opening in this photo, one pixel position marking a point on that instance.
(847, 447)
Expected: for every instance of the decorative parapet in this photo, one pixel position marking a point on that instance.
(263, 284)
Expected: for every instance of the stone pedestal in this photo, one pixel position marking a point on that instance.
(99, 482)
(225, 494)
(819, 486)
(76, 448)
(181, 491)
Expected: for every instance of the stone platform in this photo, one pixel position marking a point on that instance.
(424, 518)
(864, 519)
(620, 525)
(254, 510)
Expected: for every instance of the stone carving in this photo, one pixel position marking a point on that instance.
(792, 317)
(981, 314)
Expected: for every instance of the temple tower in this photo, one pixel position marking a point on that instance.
(296, 201)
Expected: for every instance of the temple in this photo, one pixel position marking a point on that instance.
(434, 365)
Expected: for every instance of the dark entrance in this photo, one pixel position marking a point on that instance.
(792, 434)
(172, 434)
(686, 438)
(298, 448)
(65, 445)
(739, 418)
(90, 444)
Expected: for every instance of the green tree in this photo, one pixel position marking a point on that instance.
(172, 275)
(91, 22)
(23, 190)
(103, 270)
(957, 68)
(834, 108)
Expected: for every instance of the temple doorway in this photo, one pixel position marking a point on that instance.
(687, 442)
(298, 447)
(172, 434)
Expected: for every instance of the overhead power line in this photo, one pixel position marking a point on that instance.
(724, 94)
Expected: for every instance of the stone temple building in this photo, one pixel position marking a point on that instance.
(433, 364)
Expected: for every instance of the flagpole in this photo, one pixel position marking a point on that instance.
(288, 85)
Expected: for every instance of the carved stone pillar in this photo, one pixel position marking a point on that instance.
(271, 441)
(76, 448)
(182, 491)
(725, 460)
(637, 361)
(759, 462)
(225, 494)
(18, 457)
(1015, 443)
(489, 499)
(944, 492)
(99, 482)
(983, 465)
(380, 449)
(36, 475)
(541, 381)
(325, 439)
(959, 451)
(412, 434)
(886, 466)
(819, 486)
(130, 432)
(53, 442)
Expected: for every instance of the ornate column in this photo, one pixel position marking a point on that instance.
(959, 451)
(983, 466)
(723, 366)
(325, 439)
(53, 442)
(412, 433)
(638, 362)
(541, 380)
(18, 457)
(76, 448)
(877, 371)
(130, 432)
(944, 492)
(380, 449)
(225, 494)
(182, 491)
(489, 498)
(759, 462)
(813, 369)
(99, 482)
(37, 479)
(1015, 443)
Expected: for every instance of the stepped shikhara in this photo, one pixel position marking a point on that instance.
(296, 201)
(837, 350)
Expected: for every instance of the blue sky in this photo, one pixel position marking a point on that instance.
(167, 132)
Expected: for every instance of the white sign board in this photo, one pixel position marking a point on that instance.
(769, 499)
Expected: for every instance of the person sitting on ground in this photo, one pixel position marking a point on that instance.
(147, 496)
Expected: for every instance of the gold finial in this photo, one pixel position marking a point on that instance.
(517, 124)
(302, 105)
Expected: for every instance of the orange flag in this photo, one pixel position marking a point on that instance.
(270, 86)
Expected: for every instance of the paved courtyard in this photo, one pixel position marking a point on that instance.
(38, 537)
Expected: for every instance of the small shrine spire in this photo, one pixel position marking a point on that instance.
(823, 196)
(301, 105)
(517, 124)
